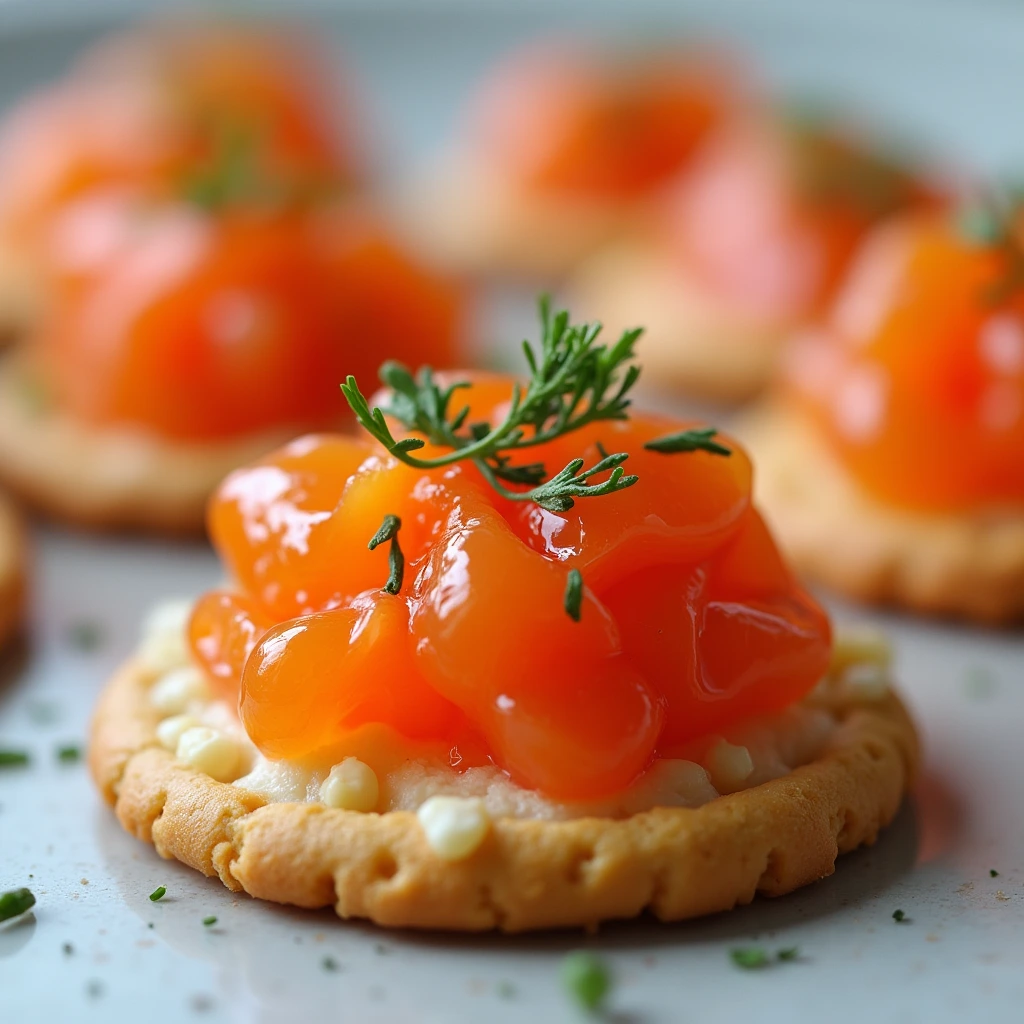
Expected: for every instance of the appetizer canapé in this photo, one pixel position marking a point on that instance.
(541, 638)
(563, 150)
(892, 462)
(199, 314)
(753, 242)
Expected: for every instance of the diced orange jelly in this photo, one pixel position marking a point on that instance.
(562, 122)
(689, 620)
(772, 214)
(917, 375)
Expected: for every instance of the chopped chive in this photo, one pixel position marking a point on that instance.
(992, 873)
(329, 963)
(586, 978)
(85, 636)
(16, 902)
(506, 990)
(14, 758)
(69, 753)
(573, 594)
(750, 958)
(158, 893)
(210, 921)
(899, 916)
(67, 949)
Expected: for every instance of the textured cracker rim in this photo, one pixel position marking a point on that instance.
(527, 874)
(111, 478)
(956, 565)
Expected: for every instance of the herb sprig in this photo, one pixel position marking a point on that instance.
(396, 560)
(574, 381)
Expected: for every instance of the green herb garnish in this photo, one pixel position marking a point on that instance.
(16, 902)
(694, 440)
(69, 753)
(573, 382)
(899, 916)
(752, 958)
(396, 561)
(158, 893)
(85, 636)
(67, 949)
(505, 990)
(749, 957)
(329, 963)
(992, 873)
(586, 978)
(14, 758)
(209, 922)
(573, 594)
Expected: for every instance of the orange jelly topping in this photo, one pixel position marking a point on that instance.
(688, 621)
(916, 376)
(772, 213)
(561, 122)
(205, 328)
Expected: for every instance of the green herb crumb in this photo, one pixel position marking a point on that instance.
(158, 893)
(67, 949)
(69, 753)
(899, 917)
(16, 902)
(788, 955)
(14, 758)
(209, 922)
(993, 873)
(85, 636)
(329, 963)
(750, 958)
(506, 990)
(586, 978)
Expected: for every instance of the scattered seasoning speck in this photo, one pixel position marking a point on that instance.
(787, 955)
(94, 988)
(150, 925)
(67, 949)
(16, 902)
(157, 894)
(381, 950)
(506, 990)
(750, 958)
(992, 873)
(200, 1003)
(69, 753)
(979, 683)
(210, 921)
(42, 712)
(586, 979)
(899, 917)
(329, 963)
(85, 636)
(14, 758)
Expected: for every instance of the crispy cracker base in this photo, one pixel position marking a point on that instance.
(675, 862)
(110, 478)
(956, 565)
(13, 570)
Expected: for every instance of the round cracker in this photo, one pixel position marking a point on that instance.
(527, 874)
(692, 341)
(968, 566)
(13, 547)
(109, 478)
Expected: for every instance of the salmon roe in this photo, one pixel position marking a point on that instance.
(772, 213)
(562, 121)
(689, 619)
(916, 376)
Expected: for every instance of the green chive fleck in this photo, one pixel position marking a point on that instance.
(158, 893)
(506, 990)
(695, 440)
(899, 917)
(14, 758)
(329, 963)
(16, 902)
(69, 753)
(993, 873)
(85, 636)
(750, 958)
(789, 954)
(573, 595)
(209, 922)
(586, 978)
(396, 562)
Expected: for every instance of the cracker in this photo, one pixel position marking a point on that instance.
(109, 478)
(527, 874)
(945, 564)
(13, 547)
(692, 341)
